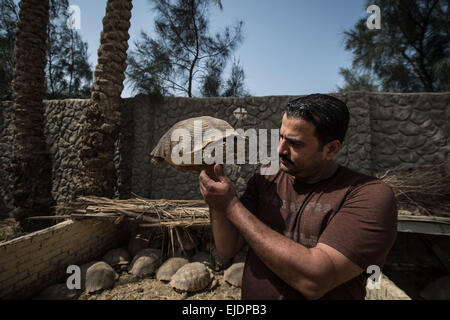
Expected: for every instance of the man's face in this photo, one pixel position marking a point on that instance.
(299, 149)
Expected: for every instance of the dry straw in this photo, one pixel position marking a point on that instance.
(422, 189)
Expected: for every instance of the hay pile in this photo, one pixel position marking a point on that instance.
(421, 189)
(167, 213)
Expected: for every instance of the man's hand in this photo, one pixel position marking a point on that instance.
(220, 195)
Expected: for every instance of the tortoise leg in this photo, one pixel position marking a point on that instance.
(183, 296)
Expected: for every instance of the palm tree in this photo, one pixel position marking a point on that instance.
(98, 173)
(31, 166)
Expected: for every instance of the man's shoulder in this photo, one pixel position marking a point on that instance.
(361, 182)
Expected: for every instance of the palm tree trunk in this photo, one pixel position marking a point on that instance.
(98, 173)
(31, 166)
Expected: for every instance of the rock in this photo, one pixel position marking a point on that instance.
(233, 275)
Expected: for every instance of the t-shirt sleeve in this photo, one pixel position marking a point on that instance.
(250, 198)
(365, 228)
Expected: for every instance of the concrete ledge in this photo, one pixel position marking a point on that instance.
(32, 262)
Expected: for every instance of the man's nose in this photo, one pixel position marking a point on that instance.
(282, 148)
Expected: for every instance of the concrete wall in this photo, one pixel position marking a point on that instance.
(31, 263)
(386, 130)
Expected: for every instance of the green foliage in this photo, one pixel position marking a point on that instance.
(410, 53)
(357, 81)
(235, 85)
(182, 54)
(68, 73)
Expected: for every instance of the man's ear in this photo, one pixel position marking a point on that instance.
(331, 149)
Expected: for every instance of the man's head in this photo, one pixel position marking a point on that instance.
(312, 132)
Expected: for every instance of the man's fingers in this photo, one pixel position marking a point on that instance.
(220, 174)
(204, 178)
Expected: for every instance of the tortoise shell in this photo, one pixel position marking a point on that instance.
(145, 262)
(98, 276)
(163, 150)
(169, 268)
(191, 277)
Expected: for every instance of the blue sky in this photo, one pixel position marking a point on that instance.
(291, 47)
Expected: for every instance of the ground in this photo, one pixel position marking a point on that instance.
(152, 289)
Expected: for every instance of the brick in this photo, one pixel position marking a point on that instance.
(11, 281)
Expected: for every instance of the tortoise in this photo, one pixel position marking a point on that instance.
(192, 277)
(97, 276)
(145, 262)
(169, 268)
(118, 258)
(233, 275)
(163, 150)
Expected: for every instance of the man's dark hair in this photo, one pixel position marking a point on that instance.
(330, 115)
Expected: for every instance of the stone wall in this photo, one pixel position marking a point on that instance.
(386, 130)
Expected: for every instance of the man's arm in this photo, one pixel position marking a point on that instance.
(226, 237)
(311, 271)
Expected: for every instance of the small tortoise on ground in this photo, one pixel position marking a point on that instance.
(145, 262)
(97, 276)
(118, 258)
(169, 268)
(163, 151)
(192, 277)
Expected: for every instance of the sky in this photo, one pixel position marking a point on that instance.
(290, 47)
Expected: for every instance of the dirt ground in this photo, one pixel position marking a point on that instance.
(152, 289)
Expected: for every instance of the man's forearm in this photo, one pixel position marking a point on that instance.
(300, 267)
(226, 237)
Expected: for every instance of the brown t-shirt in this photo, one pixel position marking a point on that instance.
(354, 213)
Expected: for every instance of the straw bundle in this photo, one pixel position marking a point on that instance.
(168, 213)
(421, 189)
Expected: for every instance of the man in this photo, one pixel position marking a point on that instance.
(314, 227)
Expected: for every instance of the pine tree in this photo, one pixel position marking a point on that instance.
(183, 53)
(411, 51)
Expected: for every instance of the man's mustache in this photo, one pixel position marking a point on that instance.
(285, 158)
